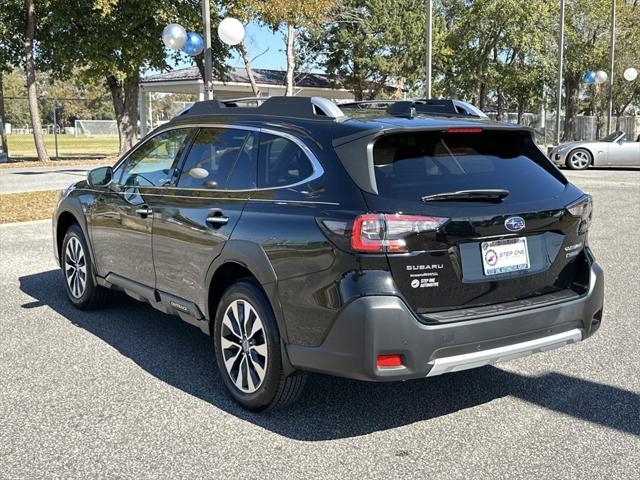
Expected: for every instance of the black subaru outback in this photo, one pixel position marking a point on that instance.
(371, 241)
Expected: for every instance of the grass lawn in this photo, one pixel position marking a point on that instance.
(21, 147)
(25, 206)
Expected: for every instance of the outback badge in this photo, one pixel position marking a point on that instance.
(514, 224)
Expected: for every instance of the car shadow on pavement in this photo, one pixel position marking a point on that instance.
(330, 408)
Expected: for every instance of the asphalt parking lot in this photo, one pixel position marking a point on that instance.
(31, 179)
(130, 392)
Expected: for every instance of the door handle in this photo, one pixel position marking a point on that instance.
(144, 211)
(216, 218)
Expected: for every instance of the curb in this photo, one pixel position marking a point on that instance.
(29, 222)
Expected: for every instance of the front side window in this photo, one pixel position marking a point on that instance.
(153, 164)
(281, 162)
(220, 159)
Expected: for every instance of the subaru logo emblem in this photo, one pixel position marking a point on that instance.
(514, 224)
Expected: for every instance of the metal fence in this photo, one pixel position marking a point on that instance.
(58, 120)
(586, 126)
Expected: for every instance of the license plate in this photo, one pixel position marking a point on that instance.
(503, 256)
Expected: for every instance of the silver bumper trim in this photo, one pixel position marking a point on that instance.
(501, 354)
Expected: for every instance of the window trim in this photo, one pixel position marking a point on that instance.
(318, 170)
(186, 144)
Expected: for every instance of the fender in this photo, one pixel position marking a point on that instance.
(252, 257)
(73, 206)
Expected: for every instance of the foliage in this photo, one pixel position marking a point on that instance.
(292, 18)
(76, 98)
(499, 54)
(370, 44)
(11, 34)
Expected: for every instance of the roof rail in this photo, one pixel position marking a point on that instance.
(410, 108)
(367, 104)
(312, 108)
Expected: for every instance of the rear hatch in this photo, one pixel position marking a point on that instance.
(498, 229)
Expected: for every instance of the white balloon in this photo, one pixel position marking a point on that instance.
(231, 31)
(630, 74)
(174, 36)
(601, 76)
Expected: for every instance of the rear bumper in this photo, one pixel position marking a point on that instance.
(376, 325)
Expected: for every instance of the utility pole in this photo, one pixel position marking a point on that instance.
(55, 124)
(208, 71)
(429, 45)
(560, 66)
(612, 50)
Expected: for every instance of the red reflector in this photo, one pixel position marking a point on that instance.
(394, 360)
(463, 130)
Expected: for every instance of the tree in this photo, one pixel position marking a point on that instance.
(17, 33)
(9, 58)
(494, 50)
(283, 15)
(369, 44)
(626, 93)
(114, 41)
(586, 48)
(30, 69)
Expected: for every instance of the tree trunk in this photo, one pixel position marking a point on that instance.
(249, 68)
(3, 134)
(571, 85)
(30, 70)
(482, 88)
(124, 95)
(291, 59)
(521, 107)
(500, 106)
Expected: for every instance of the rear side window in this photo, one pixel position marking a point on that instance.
(409, 166)
(215, 155)
(281, 162)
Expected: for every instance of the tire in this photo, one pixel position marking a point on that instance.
(579, 159)
(78, 273)
(248, 351)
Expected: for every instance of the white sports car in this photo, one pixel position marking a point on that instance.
(611, 151)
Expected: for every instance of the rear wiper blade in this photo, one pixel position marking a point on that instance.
(490, 195)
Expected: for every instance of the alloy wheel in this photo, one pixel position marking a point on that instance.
(579, 160)
(244, 346)
(75, 267)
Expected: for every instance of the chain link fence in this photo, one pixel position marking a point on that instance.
(59, 119)
(587, 127)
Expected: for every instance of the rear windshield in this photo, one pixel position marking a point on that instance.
(411, 165)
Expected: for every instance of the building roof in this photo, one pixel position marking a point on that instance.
(239, 75)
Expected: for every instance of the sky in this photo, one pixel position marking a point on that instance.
(265, 47)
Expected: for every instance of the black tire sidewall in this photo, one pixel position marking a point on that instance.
(570, 165)
(90, 287)
(266, 393)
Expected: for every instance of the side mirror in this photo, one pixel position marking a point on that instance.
(99, 177)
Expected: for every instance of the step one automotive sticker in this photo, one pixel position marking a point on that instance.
(427, 279)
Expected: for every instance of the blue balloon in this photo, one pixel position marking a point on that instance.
(589, 76)
(194, 44)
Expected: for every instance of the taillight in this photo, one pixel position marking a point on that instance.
(582, 209)
(379, 232)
